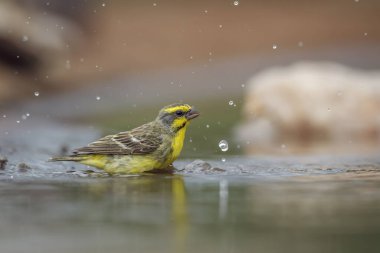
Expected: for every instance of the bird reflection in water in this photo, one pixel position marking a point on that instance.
(146, 199)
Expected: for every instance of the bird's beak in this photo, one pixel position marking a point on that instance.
(192, 114)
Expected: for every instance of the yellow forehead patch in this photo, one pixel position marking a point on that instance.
(184, 108)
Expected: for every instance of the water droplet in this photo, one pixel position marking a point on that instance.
(300, 43)
(365, 34)
(223, 145)
(236, 3)
(24, 117)
(154, 4)
(207, 126)
(25, 38)
(104, 4)
(190, 140)
(223, 159)
(206, 11)
(357, 1)
(283, 146)
(274, 46)
(231, 102)
(238, 146)
(98, 98)
(220, 26)
(17, 121)
(27, 114)
(36, 93)
(243, 85)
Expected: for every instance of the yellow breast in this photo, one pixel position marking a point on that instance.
(177, 143)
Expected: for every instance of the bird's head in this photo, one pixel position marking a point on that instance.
(177, 116)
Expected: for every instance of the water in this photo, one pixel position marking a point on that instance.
(244, 204)
(223, 145)
(190, 213)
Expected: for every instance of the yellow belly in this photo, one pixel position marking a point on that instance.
(126, 164)
(122, 164)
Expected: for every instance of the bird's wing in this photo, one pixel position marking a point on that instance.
(141, 140)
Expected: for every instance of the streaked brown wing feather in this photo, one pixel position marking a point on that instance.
(141, 140)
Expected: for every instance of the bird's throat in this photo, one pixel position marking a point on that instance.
(177, 143)
(181, 126)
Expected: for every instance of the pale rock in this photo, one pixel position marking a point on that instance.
(317, 107)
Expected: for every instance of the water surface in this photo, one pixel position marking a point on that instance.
(245, 204)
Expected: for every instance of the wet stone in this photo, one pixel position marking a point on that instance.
(216, 169)
(64, 149)
(23, 167)
(200, 166)
(3, 162)
(197, 165)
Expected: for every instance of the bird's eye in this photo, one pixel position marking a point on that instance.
(179, 113)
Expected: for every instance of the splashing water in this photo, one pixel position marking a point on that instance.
(223, 145)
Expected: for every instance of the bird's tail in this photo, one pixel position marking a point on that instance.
(66, 158)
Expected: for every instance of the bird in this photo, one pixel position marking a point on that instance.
(151, 146)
